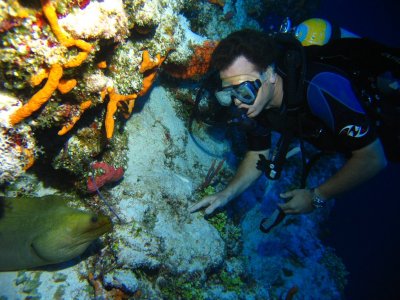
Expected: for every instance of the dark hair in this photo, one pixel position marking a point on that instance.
(258, 47)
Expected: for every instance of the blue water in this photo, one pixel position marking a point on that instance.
(364, 229)
(379, 21)
(365, 222)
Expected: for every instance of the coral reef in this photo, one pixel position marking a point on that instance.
(109, 84)
(60, 42)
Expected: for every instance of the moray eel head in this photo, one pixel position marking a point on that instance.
(71, 234)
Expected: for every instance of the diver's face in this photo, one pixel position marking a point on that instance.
(243, 70)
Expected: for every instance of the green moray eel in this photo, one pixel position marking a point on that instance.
(38, 231)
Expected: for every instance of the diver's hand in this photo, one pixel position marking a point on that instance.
(300, 202)
(211, 203)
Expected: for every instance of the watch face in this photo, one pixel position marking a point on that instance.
(318, 204)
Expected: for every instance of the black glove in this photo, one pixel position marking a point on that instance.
(262, 163)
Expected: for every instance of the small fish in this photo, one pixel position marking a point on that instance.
(38, 231)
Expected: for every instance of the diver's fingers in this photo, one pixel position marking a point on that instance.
(213, 207)
(242, 105)
(203, 203)
(287, 208)
(286, 195)
(284, 206)
(252, 112)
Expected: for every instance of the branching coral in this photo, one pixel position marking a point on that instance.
(82, 107)
(112, 106)
(51, 16)
(41, 97)
(66, 85)
(149, 68)
(56, 70)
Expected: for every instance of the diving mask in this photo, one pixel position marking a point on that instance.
(245, 92)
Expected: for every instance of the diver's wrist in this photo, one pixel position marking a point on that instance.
(318, 201)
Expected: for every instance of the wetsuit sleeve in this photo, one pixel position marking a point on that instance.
(332, 99)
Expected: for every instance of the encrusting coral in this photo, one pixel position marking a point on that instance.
(17, 145)
(110, 174)
(41, 97)
(198, 64)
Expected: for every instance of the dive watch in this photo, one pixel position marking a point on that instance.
(317, 201)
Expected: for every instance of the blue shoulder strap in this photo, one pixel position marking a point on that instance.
(325, 87)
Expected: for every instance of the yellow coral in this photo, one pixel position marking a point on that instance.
(67, 41)
(51, 16)
(149, 67)
(148, 63)
(30, 157)
(66, 85)
(84, 106)
(37, 78)
(112, 108)
(77, 60)
(147, 83)
(40, 97)
(102, 64)
(56, 71)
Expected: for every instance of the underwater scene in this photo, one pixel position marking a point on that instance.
(111, 152)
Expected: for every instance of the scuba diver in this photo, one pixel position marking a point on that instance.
(279, 90)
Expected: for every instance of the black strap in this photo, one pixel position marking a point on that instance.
(267, 224)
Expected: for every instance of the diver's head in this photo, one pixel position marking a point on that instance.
(248, 88)
(245, 62)
(259, 48)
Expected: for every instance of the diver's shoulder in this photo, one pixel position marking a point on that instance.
(314, 68)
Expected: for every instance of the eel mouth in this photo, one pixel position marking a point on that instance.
(102, 225)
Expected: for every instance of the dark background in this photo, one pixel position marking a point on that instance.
(365, 223)
(377, 20)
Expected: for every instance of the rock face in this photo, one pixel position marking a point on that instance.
(158, 186)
